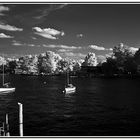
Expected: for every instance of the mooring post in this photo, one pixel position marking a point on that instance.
(20, 119)
(7, 126)
(3, 126)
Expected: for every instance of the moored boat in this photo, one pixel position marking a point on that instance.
(7, 90)
(69, 87)
(6, 86)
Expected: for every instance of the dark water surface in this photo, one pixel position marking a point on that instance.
(100, 107)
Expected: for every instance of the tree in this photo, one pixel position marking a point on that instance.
(90, 60)
(28, 64)
(77, 66)
(33, 65)
(130, 66)
(137, 57)
(110, 66)
(12, 66)
(47, 62)
(63, 65)
(125, 58)
(122, 53)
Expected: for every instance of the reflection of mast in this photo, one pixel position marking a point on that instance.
(7, 126)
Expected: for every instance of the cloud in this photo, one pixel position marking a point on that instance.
(30, 45)
(2, 35)
(63, 50)
(95, 47)
(48, 32)
(79, 35)
(2, 9)
(76, 56)
(9, 27)
(27, 14)
(108, 55)
(17, 43)
(34, 38)
(46, 35)
(101, 58)
(133, 49)
(110, 49)
(61, 46)
(46, 10)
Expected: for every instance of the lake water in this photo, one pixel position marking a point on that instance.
(100, 107)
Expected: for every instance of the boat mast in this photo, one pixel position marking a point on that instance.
(3, 71)
(68, 77)
(68, 80)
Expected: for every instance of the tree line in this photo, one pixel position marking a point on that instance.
(123, 60)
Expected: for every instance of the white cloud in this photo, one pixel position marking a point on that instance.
(101, 58)
(95, 47)
(9, 27)
(109, 54)
(79, 35)
(73, 55)
(46, 35)
(110, 49)
(133, 49)
(2, 35)
(2, 9)
(34, 38)
(61, 46)
(45, 11)
(99, 48)
(48, 32)
(30, 45)
(17, 43)
(63, 50)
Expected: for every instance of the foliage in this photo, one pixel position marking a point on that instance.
(47, 62)
(122, 61)
(90, 60)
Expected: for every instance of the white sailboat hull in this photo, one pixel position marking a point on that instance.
(70, 90)
(7, 90)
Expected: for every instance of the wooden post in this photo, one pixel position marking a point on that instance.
(0, 131)
(3, 129)
(7, 126)
(20, 119)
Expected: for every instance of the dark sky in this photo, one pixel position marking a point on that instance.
(71, 30)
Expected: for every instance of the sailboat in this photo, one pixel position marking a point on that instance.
(69, 88)
(5, 86)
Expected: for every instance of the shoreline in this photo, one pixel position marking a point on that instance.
(82, 76)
